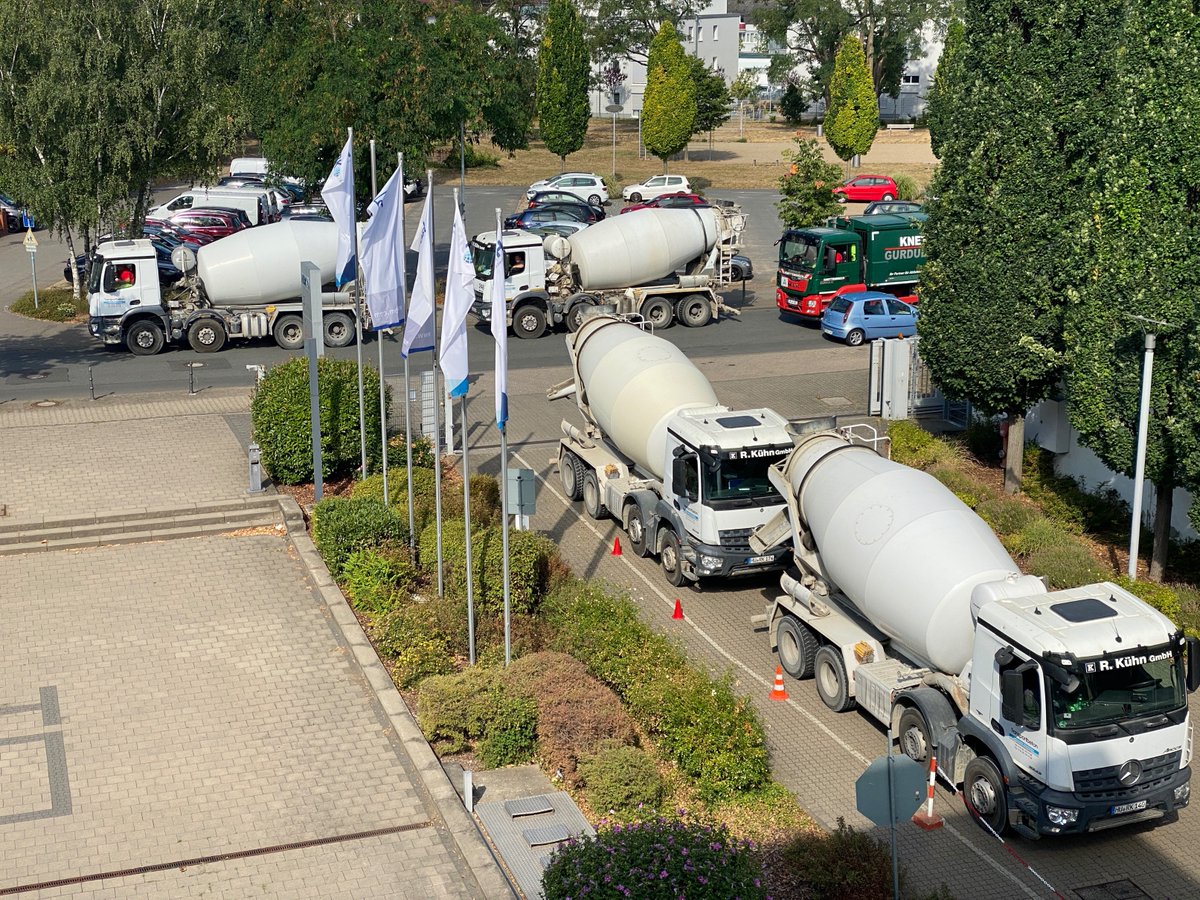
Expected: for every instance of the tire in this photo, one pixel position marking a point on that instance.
(887, 197)
(694, 311)
(575, 314)
(289, 332)
(797, 647)
(635, 197)
(145, 338)
(658, 312)
(983, 789)
(594, 200)
(636, 529)
(914, 735)
(592, 504)
(735, 273)
(529, 322)
(338, 329)
(206, 335)
(668, 555)
(833, 684)
(856, 337)
(569, 474)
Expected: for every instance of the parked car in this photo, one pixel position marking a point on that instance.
(163, 227)
(585, 186)
(867, 316)
(310, 209)
(679, 200)
(12, 212)
(204, 221)
(413, 188)
(866, 188)
(740, 268)
(543, 197)
(655, 187)
(892, 208)
(562, 229)
(541, 214)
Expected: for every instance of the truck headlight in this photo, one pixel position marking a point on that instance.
(710, 563)
(1061, 816)
(1183, 792)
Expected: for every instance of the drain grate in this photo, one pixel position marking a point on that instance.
(1112, 890)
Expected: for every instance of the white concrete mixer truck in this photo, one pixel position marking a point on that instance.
(685, 476)
(1059, 712)
(246, 285)
(664, 265)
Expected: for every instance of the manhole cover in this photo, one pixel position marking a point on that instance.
(1112, 890)
(835, 401)
(45, 403)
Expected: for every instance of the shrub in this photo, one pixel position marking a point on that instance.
(375, 579)
(983, 440)
(907, 187)
(621, 781)
(530, 555)
(659, 858)
(1065, 565)
(843, 865)
(913, 446)
(424, 495)
(1066, 501)
(53, 305)
(411, 639)
(1037, 535)
(1161, 597)
(806, 187)
(511, 734)
(473, 157)
(398, 452)
(454, 710)
(342, 525)
(485, 500)
(1006, 515)
(967, 489)
(1189, 608)
(280, 417)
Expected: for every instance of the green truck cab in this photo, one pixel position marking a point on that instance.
(855, 253)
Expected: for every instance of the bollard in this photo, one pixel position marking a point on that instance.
(255, 457)
(92, 382)
(191, 379)
(469, 789)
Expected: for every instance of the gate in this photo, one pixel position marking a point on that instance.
(900, 386)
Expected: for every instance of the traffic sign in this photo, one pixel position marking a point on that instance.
(908, 789)
(30, 241)
(614, 108)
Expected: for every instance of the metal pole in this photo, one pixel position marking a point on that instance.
(614, 160)
(362, 404)
(92, 382)
(466, 476)
(412, 525)
(1139, 466)
(437, 415)
(892, 817)
(383, 427)
(504, 510)
(33, 268)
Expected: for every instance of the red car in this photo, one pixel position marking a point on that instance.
(669, 201)
(217, 223)
(866, 189)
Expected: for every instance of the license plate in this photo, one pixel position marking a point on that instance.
(793, 301)
(758, 560)
(827, 331)
(1121, 808)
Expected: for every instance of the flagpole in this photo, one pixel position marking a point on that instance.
(358, 316)
(466, 477)
(412, 525)
(504, 501)
(383, 427)
(437, 402)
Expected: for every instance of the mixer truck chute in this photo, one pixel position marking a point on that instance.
(664, 265)
(685, 476)
(1056, 711)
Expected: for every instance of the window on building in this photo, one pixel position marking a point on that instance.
(714, 32)
(910, 79)
(700, 32)
(689, 36)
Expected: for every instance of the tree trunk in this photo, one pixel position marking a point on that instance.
(1014, 453)
(75, 285)
(1164, 498)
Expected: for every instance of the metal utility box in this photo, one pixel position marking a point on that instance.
(522, 499)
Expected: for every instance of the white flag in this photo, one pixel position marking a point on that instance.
(418, 333)
(338, 194)
(382, 250)
(460, 291)
(500, 331)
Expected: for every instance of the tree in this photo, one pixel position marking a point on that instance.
(939, 104)
(562, 84)
(806, 189)
(669, 104)
(1141, 235)
(794, 103)
(626, 28)
(712, 98)
(852, 117)
(743, 88)
(1002, 242)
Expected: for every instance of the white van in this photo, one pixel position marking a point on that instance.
(256, 203)
(249, 165)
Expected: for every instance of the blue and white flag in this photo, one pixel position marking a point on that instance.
(418, 333)
(338, 194)
(500, 331)
(382, 250)
(460, 291)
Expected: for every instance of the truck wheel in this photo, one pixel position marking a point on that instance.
(914, 735)
(658, 312)
(289, 332)
(636, 529)
(694, 311)
(797, 647)
(206, 336)
(144, 338)
(568, 472)
(576, 313)
(833, 684)
(529, 322)
(984, 790)
(592, 504)
(668, 554)
(855, 337)
(339, 329)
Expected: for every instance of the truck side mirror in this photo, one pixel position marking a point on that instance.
(683, 470)
(1193, 664)
(1012, 696)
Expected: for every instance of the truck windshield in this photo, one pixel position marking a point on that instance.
(484, 255)
(799, 252)
(738, 482)
(1110, 689)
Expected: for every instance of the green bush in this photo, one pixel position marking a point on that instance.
(414, 644)
(983, 439)
(398, 452)
(1065, 565)
(530, 556)
(473, 158)
(623, 781)
(343, 525)
(1161, 597)
(54, 305)
(1189, 608)
(280, 417)
(1037, 535)
(967, 489)
(485, 500)
(1006, 515)
(843, 865)
(511, 734)
(376, 579)
(455, 710)
(913, 446)
(1066, 501)
(907, 187)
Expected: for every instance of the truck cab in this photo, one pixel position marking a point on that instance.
(123, 287)
(524, 279)
(849, 254)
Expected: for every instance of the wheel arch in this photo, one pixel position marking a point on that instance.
(934, 706)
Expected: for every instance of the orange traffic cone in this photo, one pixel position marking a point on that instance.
(777, 692)
(678, 614)
(616, 551)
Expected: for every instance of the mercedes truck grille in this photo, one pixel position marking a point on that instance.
(1105, 783)
(736, 539)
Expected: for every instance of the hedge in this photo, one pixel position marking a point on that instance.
(410, 638)
(343, 525)
(485, 496)
(913, 446)
(622, 782)
(378, 578)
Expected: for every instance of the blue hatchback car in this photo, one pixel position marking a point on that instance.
(866, 316)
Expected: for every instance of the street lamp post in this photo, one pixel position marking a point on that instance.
(1139, 465)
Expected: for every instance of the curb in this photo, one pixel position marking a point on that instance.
(489, 876)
